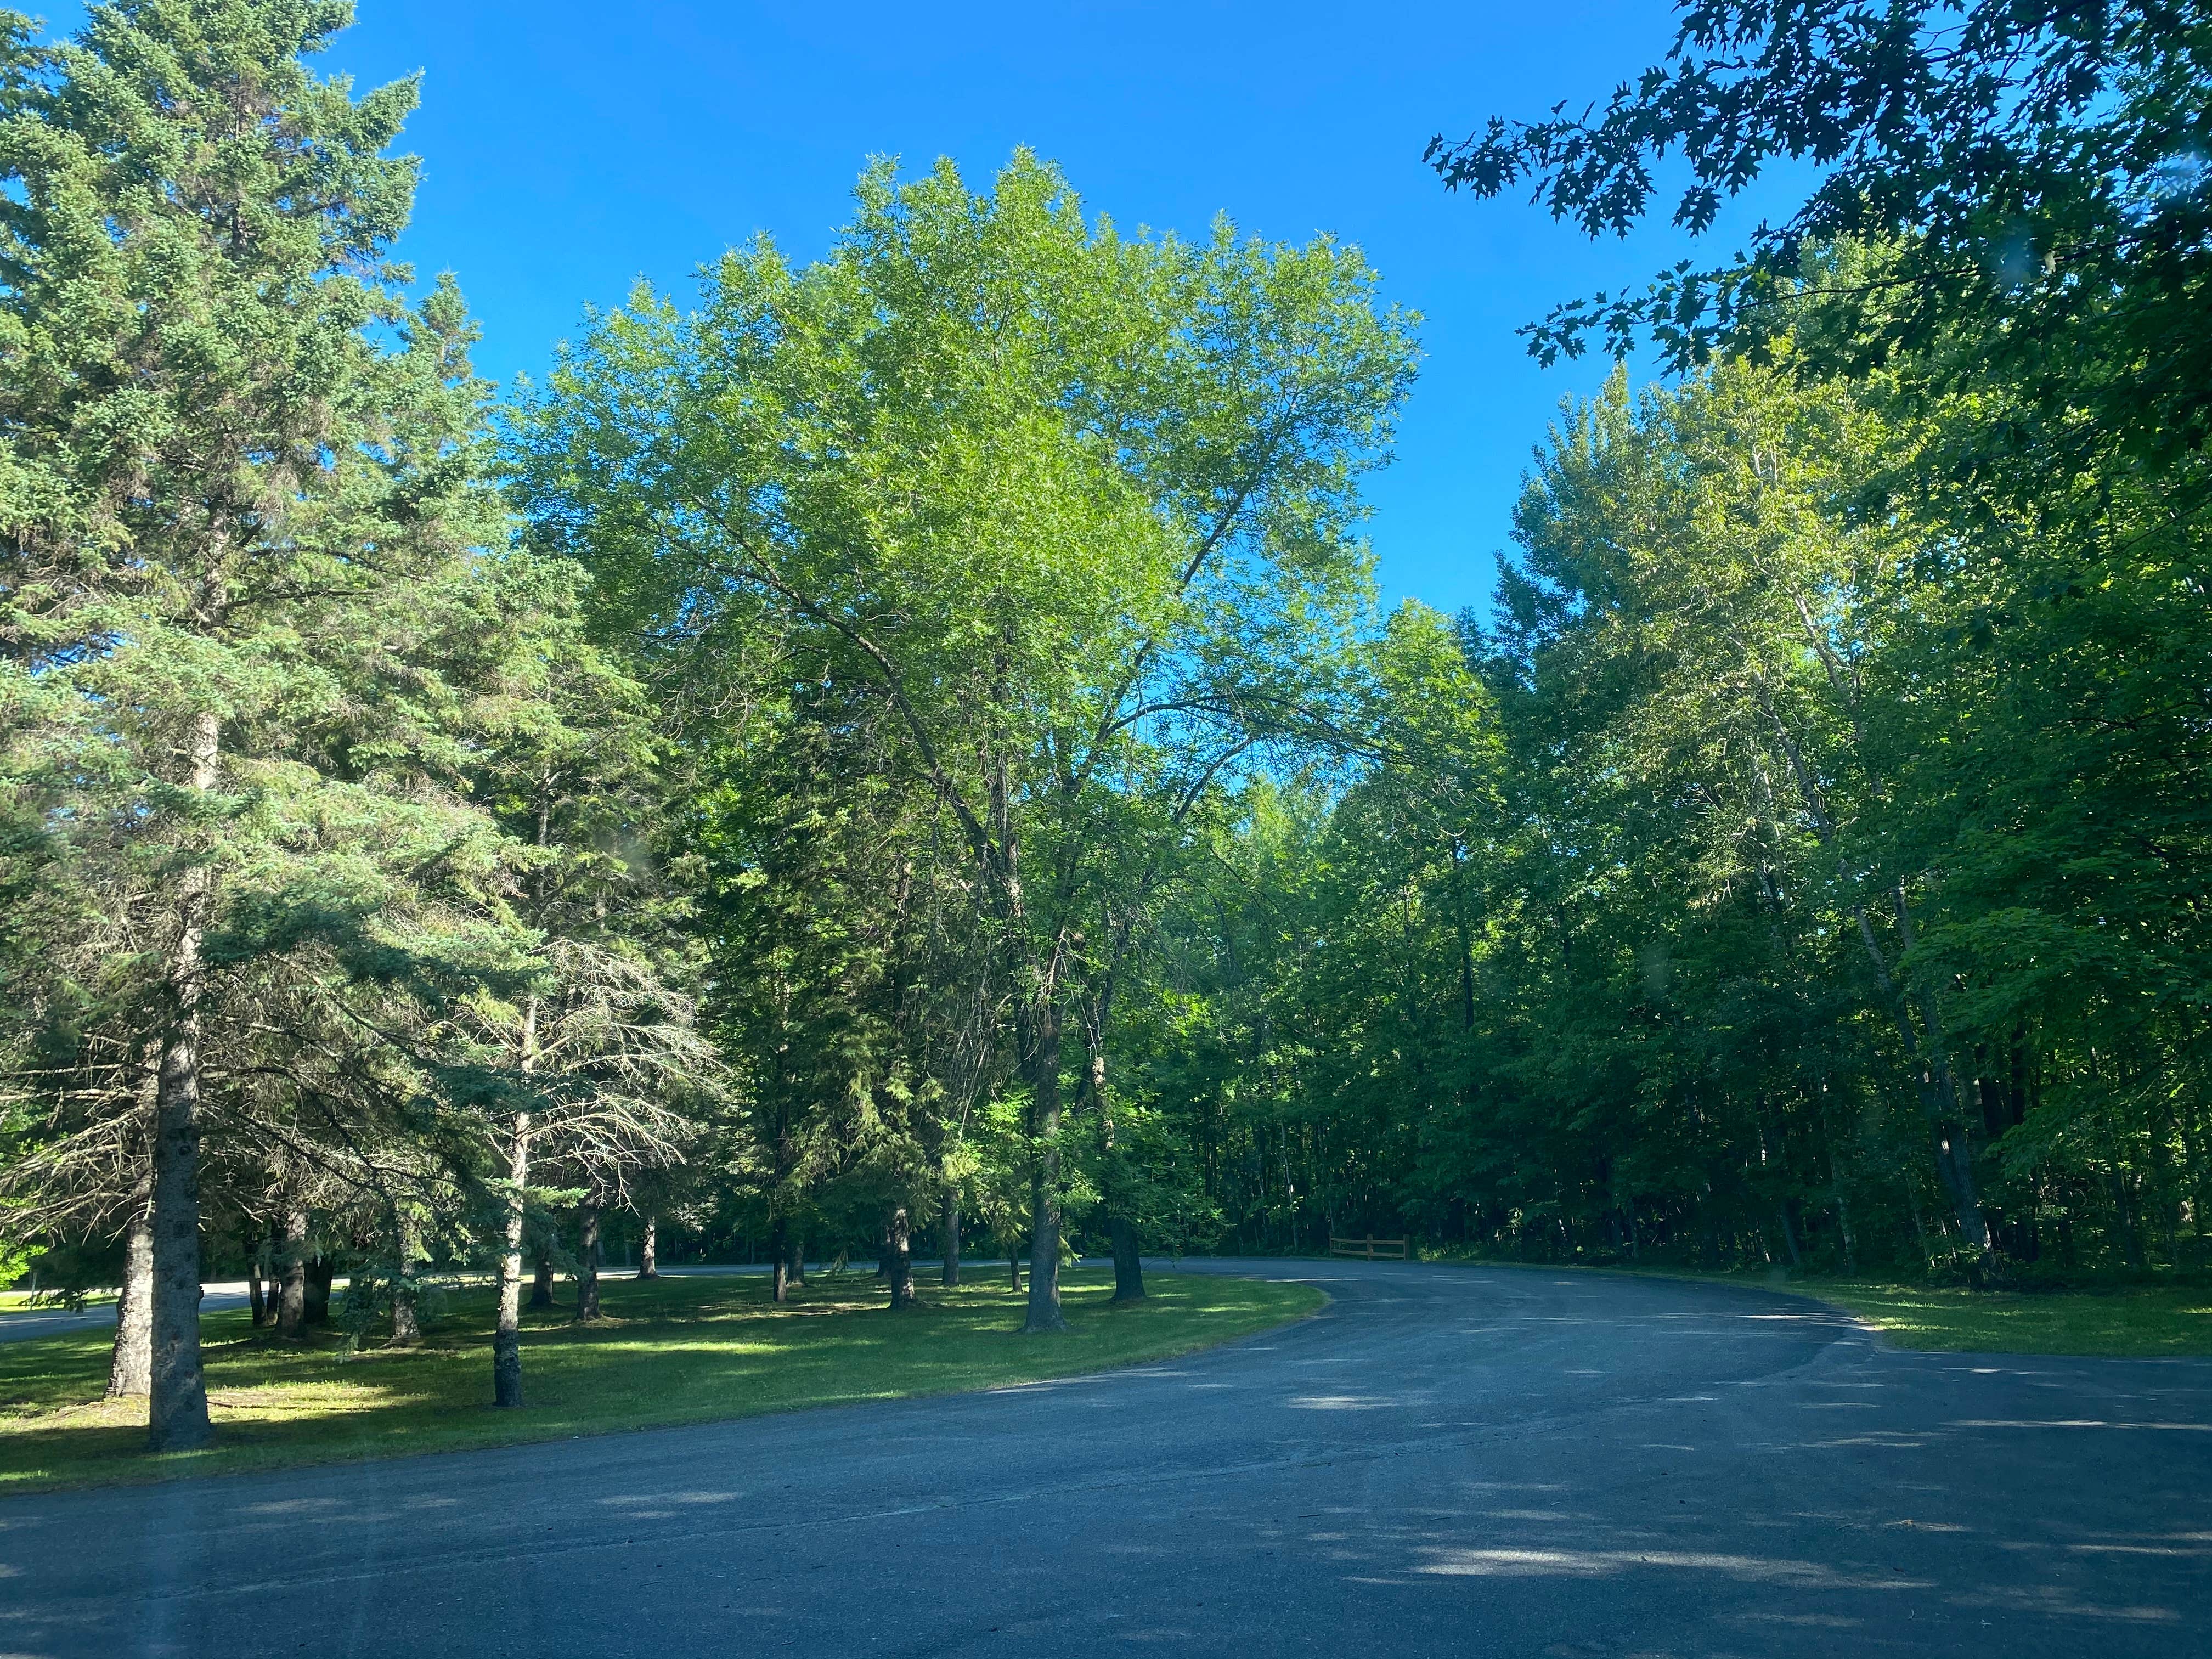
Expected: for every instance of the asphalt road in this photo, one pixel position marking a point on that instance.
(1448, 1461)
(21, 1325)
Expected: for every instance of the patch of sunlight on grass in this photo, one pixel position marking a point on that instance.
(27, 1301)
(671, 1351)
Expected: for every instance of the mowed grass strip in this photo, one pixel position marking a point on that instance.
(2153, 1321)
(677, 1350)
(2134, 1322)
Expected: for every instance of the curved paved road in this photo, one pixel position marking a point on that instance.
(1448, 1461)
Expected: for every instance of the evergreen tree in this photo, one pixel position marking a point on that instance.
(237, 471)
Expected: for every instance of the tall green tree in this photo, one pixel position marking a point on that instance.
(238, 468)
(1079, 510)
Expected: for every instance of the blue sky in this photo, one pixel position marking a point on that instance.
(570, 147)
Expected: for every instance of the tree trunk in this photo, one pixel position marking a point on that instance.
(2130, 1239)
(320, 1271)
(1014, 1267)
(898, 1261)
(255, 1300)
(177, 1413)
(406, 1321)
(1932, 1076)
(1842, 1215)
(292, 1299)
(1041, 1052)
(269, 1257)
(507, 1329)
(1954, 1162)
(587, 1264)
(1939, 1083)
(130, 1368)
(541, 1284)
(1919, 1227)
(948, 1232)
(798, 1258)
(779, 1249)
(405, 1246)
(648, 1257)
(1128, 1266)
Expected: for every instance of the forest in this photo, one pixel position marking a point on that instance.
(902, 755)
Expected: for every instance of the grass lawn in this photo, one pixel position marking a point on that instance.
(26, 1300)
(686, 1350)
(2125, 1322)
(2132, 1322)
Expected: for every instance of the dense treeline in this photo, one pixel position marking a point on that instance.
(1804, 880)
(904, 749)
(1818, 876)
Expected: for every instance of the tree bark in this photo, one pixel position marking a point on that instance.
(1014, 1267)
(898, 1260)
(1128, 1266)
(1842, 1215)
(1466, 937)
(255, 1301)
(587, 1264)
(292, 1299)
(320, 1271)
(648, 1256)
(779, 1249)
(406, 1321)
(1919, 1227)
(1041, 1052)
(269, 1257)
(798, 1258)
(948, 1232)
(177, 1413)
(130, 1368)
(1121, 1231)
(507, 1329)
(507, 1318)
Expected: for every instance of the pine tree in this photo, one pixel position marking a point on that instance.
(234, 469)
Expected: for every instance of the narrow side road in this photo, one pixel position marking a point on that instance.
(1447, 1461)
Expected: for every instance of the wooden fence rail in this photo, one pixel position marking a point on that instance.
(1370, 1249)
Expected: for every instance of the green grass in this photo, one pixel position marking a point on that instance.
(27, 1301)
(2134, 1322)
(690, 1350)
(2121, 1323)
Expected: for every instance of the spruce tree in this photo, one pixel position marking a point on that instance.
(231, 461)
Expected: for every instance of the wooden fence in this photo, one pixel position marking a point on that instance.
(1370, 1249)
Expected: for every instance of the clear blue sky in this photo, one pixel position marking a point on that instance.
(570, 147)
